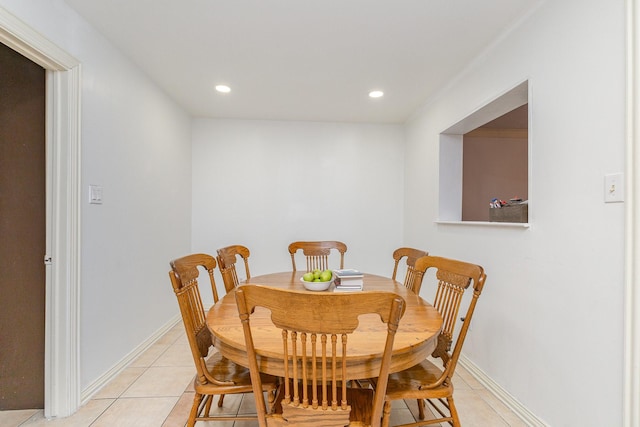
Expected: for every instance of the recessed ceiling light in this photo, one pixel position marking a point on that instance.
(223, 88)
(376, 94)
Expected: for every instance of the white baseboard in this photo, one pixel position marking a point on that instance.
(101, 381)
(511, 402)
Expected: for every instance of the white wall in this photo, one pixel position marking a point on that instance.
(265, 184)
(548, 327)
(136, 144)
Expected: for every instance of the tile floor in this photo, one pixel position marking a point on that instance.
(156, 391)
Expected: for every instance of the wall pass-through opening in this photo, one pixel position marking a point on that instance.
(484, 162)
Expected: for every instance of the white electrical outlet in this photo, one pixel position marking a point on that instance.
(614, 188)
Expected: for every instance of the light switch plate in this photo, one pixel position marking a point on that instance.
(95, 194)
(614, 188)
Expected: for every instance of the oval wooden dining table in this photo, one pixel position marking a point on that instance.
(415, 339)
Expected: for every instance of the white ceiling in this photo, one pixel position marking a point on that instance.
(302, 59)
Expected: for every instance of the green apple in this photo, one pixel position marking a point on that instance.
(325, 276)
(316, 274)
(308, 277)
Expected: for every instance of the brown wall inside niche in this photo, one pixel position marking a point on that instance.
(495, 165)
(22, 231)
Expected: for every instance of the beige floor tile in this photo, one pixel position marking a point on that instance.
(180, 412)
(86, 415)
(400, 416)
(161, 381)
(147, 358)
(17, 417)
(178, 354)
(460, 384)
(179, 326)
(226, 424)
(248, 404)
(493, 401)
(469, 379)
(183, 339)
(119, 384)
(513, 420)
(190, 387)
(231, 407)
(172, 335)
(242, 424)
(138, 412)
(398, 404)
(509, 416)
(474, 411)
(412, 404)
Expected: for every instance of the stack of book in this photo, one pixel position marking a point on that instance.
(347, 280)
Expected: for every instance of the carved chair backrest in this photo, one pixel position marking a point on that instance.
(412, 278)
(316, 330)
(453, 278)
(317, 253)
(184, 279)
(227, 258)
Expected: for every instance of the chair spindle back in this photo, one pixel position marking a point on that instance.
(454, 278)
(227, 258)
(317, 253)
(413, 277)
(315, 331)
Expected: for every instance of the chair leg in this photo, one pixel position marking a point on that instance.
(220, 400)
(454, 412)
(421, 409)
(207, 405)
(197, 399)
(386, 413)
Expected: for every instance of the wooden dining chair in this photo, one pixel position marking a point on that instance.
(227, 258)
(215, 375)
(197, 262)
(428, 381)
(412, 277)
(317, 333)
(317, 253)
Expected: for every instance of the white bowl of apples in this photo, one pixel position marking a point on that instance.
(317, 280)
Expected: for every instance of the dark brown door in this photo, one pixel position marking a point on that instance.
(22, 231)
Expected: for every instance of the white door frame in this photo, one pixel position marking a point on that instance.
(62, 305)
(631, 372)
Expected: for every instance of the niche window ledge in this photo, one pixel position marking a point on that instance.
(486, 224)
